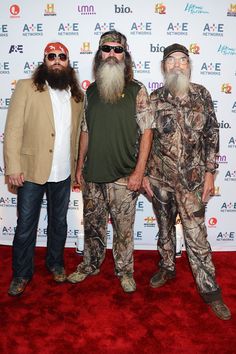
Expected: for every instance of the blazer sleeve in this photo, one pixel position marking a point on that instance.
(13, 134)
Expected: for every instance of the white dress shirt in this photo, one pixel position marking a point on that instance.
(62, 121)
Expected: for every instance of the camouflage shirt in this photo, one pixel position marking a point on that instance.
(186, 138)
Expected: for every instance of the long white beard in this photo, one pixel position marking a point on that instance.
(110, 79)
(177, 82)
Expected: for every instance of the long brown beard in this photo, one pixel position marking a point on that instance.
(177, 82)
(58, 79)
(110, 79)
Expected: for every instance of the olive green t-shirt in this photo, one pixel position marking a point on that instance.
(113, 135)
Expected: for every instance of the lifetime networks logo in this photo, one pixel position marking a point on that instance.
(210, 69)
(86, 10)
(142, 28)
(85, 84)
(212, 222)
(194, 9)
(33, 29)
(68, 29)
(216, 30)
(178, 28)
(232, 10)
(14, 11)
(50, 10)
(3, 31)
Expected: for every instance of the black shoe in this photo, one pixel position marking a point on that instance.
(220, 310)
(17, 286)
(161, 277)
(59, 274)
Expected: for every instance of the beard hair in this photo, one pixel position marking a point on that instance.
(58, 79)
(177, 82)
(110, 79)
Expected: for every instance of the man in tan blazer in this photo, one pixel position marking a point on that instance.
(40, 150)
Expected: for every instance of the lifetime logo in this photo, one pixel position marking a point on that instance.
(14, 10)
(212, 222)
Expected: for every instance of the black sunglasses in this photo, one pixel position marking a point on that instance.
(53, 56)
(108, 48)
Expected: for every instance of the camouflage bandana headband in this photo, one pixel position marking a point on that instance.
(113, 37)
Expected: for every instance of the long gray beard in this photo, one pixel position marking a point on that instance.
(177, 83)
(110, 79)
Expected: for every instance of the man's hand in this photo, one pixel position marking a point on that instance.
(134, 181)
(16, 179)
(147, 187)
(79, 178)
(208, 187)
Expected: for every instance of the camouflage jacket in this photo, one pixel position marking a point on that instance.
(186, 138)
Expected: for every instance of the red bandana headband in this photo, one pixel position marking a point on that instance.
(51, 47)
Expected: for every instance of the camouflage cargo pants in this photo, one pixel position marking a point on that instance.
(100, 200)
(192, 213)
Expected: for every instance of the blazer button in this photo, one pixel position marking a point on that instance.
(50, 150)
(52, 134)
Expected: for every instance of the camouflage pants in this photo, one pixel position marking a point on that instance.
(188, 204)
(100, 200)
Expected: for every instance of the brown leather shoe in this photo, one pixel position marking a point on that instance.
(59, 275)
(17, 286)
(161, 277)
(220, 310)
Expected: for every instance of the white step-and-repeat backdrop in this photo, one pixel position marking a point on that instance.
(206, 28)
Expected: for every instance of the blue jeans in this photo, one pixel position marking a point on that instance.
(29, 201)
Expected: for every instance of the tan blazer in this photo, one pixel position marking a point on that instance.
(29, 133)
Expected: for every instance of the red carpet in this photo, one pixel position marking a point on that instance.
(97, 317)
